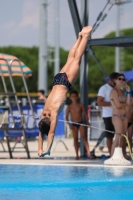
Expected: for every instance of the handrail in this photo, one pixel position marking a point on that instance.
(27, 92)
(4, 85)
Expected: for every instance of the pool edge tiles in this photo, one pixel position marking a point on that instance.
(60, 163)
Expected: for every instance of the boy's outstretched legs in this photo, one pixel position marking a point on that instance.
(73, 49)
(85, 33)
(72, 68)
(71, 54)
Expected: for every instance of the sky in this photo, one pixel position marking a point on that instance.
(20, 25)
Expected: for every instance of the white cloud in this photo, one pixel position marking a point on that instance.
(30, 15)
(22, 27)
(30, 18)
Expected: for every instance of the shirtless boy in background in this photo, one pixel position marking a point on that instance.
(41, 95)
(61, 84)
(76, 111)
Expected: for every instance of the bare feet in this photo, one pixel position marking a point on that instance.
(40, 153)
(76, 158)
(86, 31)
(90, 156)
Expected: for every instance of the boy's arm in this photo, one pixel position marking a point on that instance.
(85, 114)
(40, 142)
(40, 138)
(67, 113)
(51, 134)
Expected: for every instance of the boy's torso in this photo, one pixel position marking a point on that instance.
(76, 112)
(57, 98)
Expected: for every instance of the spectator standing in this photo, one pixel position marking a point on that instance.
(103, 100)
(76, 110)
(119, 117)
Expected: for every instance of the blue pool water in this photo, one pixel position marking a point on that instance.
(65, 183)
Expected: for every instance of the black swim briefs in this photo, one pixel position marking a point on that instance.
(61, 79)
(76, 125)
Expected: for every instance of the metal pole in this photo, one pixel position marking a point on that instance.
(117, 49)
(42, 72)
(57, 37)
(75, 16)
(84, 69)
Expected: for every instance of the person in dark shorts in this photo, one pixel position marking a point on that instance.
(61, 84)
(103, 100)
(76, 110)
(108, 126)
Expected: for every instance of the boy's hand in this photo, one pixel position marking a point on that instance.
(44, 154)
(70, 125)
(89, 126)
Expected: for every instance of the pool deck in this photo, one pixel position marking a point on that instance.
(59, 155)
(63, 162)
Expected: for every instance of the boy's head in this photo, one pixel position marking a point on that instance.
(74, 95)
(41, 93)
(44, 125)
